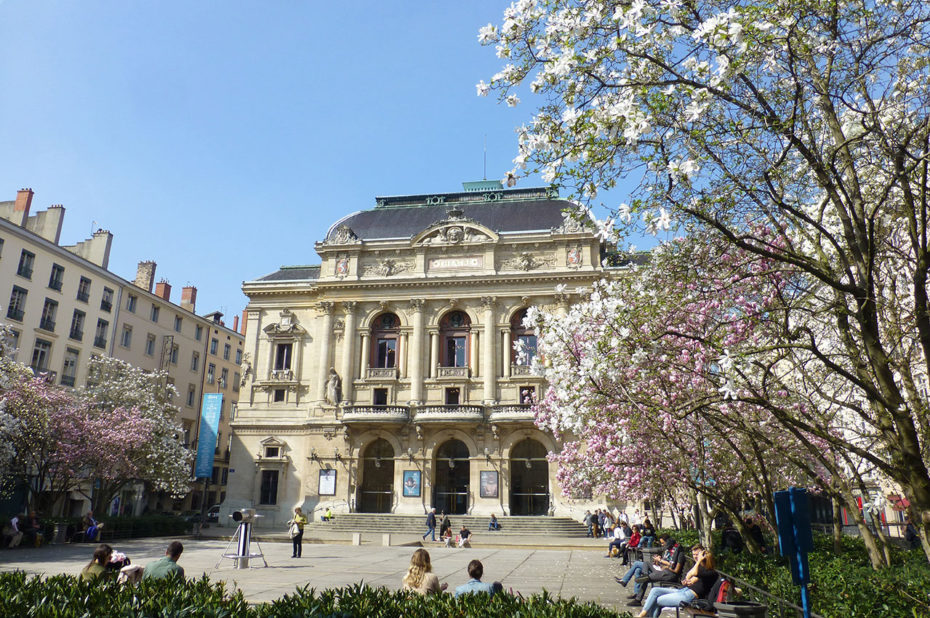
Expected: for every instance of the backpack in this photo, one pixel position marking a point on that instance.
(719, 593)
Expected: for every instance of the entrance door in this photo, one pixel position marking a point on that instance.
(529, 479)
(452, 472)
(376, 493)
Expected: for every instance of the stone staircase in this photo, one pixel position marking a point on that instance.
(416, 524)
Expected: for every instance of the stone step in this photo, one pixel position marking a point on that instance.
(372, 522)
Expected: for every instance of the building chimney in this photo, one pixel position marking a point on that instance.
(236, 323)
(145, 275)
(245, 317)
(23, 202)
(189, 298)
(163, 290)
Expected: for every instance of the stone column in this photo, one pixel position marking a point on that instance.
(402, 344)
(365, 356)
(475, 350)
(489, 370)
(324, 336)
(348, 352)
(505, 357)
(416, 352)
(433, 354)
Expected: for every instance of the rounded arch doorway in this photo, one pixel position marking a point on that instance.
(376, 493)
(529, 479)
(452, 472)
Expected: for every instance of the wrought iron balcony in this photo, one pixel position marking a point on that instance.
(448, 413)
(375, 414)
(382, 373)
(511, 412)
(47, 324)
(15, 314)
(100, 342)
(453, 372)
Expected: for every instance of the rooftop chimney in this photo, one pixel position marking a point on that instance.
(145, 275)
(24, 200)
(236, 323)
(163, 290)
(189, 298)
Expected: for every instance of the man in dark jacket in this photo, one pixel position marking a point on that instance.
(430, 524)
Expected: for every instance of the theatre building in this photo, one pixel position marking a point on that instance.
(384, 378)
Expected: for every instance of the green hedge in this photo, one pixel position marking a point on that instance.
(125, 527)
(842, 585)
(64, 596)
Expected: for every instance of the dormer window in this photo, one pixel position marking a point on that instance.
(272, 451)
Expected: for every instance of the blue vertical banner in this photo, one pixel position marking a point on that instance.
(206, 440)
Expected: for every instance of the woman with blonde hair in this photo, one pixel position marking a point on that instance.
(420, 577)
(98, 565)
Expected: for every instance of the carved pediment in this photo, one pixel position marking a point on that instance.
(342, 235)
(454, 230)
(573, 223)
(286, 325)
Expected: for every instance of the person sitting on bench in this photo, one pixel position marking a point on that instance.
(698, 582)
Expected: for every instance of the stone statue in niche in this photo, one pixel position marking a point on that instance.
(333, 388)
(246, 368)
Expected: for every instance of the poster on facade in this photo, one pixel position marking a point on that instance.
(327, 482)
(488, 483)
(411, 483)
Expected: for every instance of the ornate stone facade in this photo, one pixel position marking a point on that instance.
(385, 379)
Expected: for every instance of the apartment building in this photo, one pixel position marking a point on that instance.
(65, 306)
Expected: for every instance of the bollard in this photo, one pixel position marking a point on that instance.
(386, 540)
(356, 538)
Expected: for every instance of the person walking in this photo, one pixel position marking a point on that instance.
(299, 521)
(430, 524)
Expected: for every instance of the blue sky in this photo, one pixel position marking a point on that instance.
(222, 138)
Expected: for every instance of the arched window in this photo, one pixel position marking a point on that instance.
(524, 340)
(453, 330)
(385, 332)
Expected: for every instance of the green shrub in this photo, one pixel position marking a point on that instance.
(64, 596)
(842, 585)
(359, 600)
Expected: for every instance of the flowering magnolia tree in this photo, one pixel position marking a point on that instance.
(43, 430)
(796, 131)
(138, 436)
(638, 383)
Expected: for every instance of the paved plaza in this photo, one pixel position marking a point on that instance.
(581, 572)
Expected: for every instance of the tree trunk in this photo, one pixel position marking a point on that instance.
(876, 557)
(837, 526)
(705, 523)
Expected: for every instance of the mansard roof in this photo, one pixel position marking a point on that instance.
(500, 210)
(293, 273)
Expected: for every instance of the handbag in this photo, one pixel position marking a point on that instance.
(294, 530)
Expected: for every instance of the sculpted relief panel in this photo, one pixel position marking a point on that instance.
(387, 267)
(527, 260)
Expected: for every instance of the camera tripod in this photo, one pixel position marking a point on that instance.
(243, 554)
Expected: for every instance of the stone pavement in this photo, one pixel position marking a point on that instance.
(530, 566)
